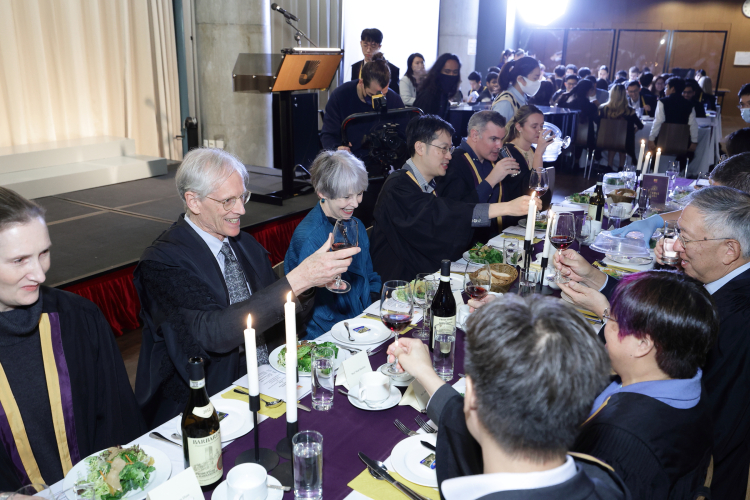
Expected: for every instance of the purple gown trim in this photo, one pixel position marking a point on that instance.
(6, 436)
(66, 392)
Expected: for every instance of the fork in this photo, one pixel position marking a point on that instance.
(403, 428)
(424, 425)
(275, 402)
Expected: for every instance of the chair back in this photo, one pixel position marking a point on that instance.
(582, 134)
(278, 270)
(673, 139)
(612, 134)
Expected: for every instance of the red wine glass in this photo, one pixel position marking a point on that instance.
(477, 287)
(396, 312)
(561, 237)
(345, 235)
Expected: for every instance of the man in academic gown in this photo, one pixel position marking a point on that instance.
(64, 392)
(414, 227)
(507, 438)
(199, 281)
(371, 43)
(714, 227)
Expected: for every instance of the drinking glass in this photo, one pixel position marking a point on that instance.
(702, 181)
(527, 282)
(420, 299)
(396, 312)
(477, 287)
(561, 236)
(510, 251)
(323, 374)
(628, 173)
(583, 229)
(431, 286)
(617, 212)
(673, 170)
(539, 182)
(345, 235)
(671, 234)
(444, 354)
(644, 203)
(307, 450)
(38, 490)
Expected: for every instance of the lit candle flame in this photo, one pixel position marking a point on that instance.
(249, 321)
(289, 297)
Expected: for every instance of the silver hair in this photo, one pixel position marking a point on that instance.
(337, 174)
(203, 170)
(479, 121)
(726, 214)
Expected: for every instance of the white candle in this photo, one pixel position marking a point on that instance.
(640, 155)
(251, 354)
(656, 161)
(645, 165)
(550, 219)
(531, 219)
(291, 359)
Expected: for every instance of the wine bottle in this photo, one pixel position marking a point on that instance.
(596, 206)
(201, 433)
(443, 311)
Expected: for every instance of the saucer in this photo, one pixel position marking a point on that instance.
(396, 380)
(220, 493)
(392, 401)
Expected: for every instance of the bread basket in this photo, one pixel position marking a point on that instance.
(500, 284)
(622, 195)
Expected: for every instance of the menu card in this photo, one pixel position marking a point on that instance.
(657, 187)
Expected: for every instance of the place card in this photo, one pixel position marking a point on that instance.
(415, 396)
(183, 486)
(657, 186)
(352, 370)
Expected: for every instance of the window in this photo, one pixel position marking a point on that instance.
(698, 50)
(590, 48)
(642, 48)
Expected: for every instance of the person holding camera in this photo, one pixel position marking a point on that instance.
(358, 96)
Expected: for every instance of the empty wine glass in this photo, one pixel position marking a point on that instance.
(644, 203)
(423, 285)
(673, 170)
(396, 312)
(539, 182)
(583, 229)
(561, 237)
(478, 286)
(345, 235)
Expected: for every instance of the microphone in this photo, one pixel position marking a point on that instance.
(275, 6)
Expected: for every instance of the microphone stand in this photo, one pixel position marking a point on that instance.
(299, 34)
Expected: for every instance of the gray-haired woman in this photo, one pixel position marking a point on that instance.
(339, 179)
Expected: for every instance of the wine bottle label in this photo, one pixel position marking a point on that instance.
(443, 325)
(204, 411)
(197, 384)
(204, 456)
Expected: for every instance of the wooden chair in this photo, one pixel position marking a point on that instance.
(673, 140)
(278, 270)
(611, 137)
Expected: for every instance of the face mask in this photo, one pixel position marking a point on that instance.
(529, 87)
(592, 98)
(745, 114)
(448, 83)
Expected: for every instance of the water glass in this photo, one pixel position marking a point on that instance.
(644, 203)
(419, 293)
(527, 283)
(511, 250)
(323, 376)
(444, 354)
(673, 170)
(583, 229)
(307, 451)
(671, 234)
(618, 212)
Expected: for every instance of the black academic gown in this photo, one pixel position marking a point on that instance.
(186, 313)
(413, 230)
(104, 407)
(460, 455)
(394, 85)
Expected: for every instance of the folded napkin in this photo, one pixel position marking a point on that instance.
(383, 490)
(521, 231)
(415, 396)
(274, 412)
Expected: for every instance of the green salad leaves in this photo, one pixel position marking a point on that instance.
(304, 354)
(117, 471)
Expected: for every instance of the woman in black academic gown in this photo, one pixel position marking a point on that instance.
(653, 423)
(524, 130)
(58, 344)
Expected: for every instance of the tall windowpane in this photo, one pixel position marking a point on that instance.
(643, 49)
(698, 50)
(590, 48)
(546, 44)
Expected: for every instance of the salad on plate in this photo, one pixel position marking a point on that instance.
(117, 471)
(304, 354)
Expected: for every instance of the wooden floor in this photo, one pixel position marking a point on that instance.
(130, 342)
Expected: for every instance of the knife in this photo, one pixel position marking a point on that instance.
(384, 475)
(427, 445)
(299, 405)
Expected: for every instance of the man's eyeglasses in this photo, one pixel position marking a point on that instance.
(684, 242)
(370, 45)
(606, 316)
(743, 105)
(228, 204)
(448, 150)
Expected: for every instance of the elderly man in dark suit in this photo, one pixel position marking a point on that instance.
(714, 248)
(202, 277)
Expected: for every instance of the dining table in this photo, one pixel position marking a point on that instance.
(346, 429)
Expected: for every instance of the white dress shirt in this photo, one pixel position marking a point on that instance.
(477, 486)
(714, 286)
(659, 118)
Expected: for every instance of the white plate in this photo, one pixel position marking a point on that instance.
(399, 381)
(632, 261)
(238, 422)
(375, 332)
(568, 200)
(220, 493)
(522, 223)
(457, 280)
(163, 471)
(273, 360)
(392, 401)
(406, 457)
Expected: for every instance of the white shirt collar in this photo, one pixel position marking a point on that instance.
(714, 286)
(473, 487)
(214, 244)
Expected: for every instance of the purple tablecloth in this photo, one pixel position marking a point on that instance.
(346, 430)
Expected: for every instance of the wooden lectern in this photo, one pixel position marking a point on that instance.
(294, 69)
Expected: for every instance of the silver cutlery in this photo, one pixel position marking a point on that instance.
(176, 436)
(350, 349)
(275, 402)
(427, 445)
(159, 437)
(375, 467)
(277, 487)
(424, 425)
(403, 428)
(349, 394)
(346, 325)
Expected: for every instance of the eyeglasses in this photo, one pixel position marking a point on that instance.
(744, 105)
(228, 204)
(448, 150)
(684, 242)
(370, 45)
(606, 316)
